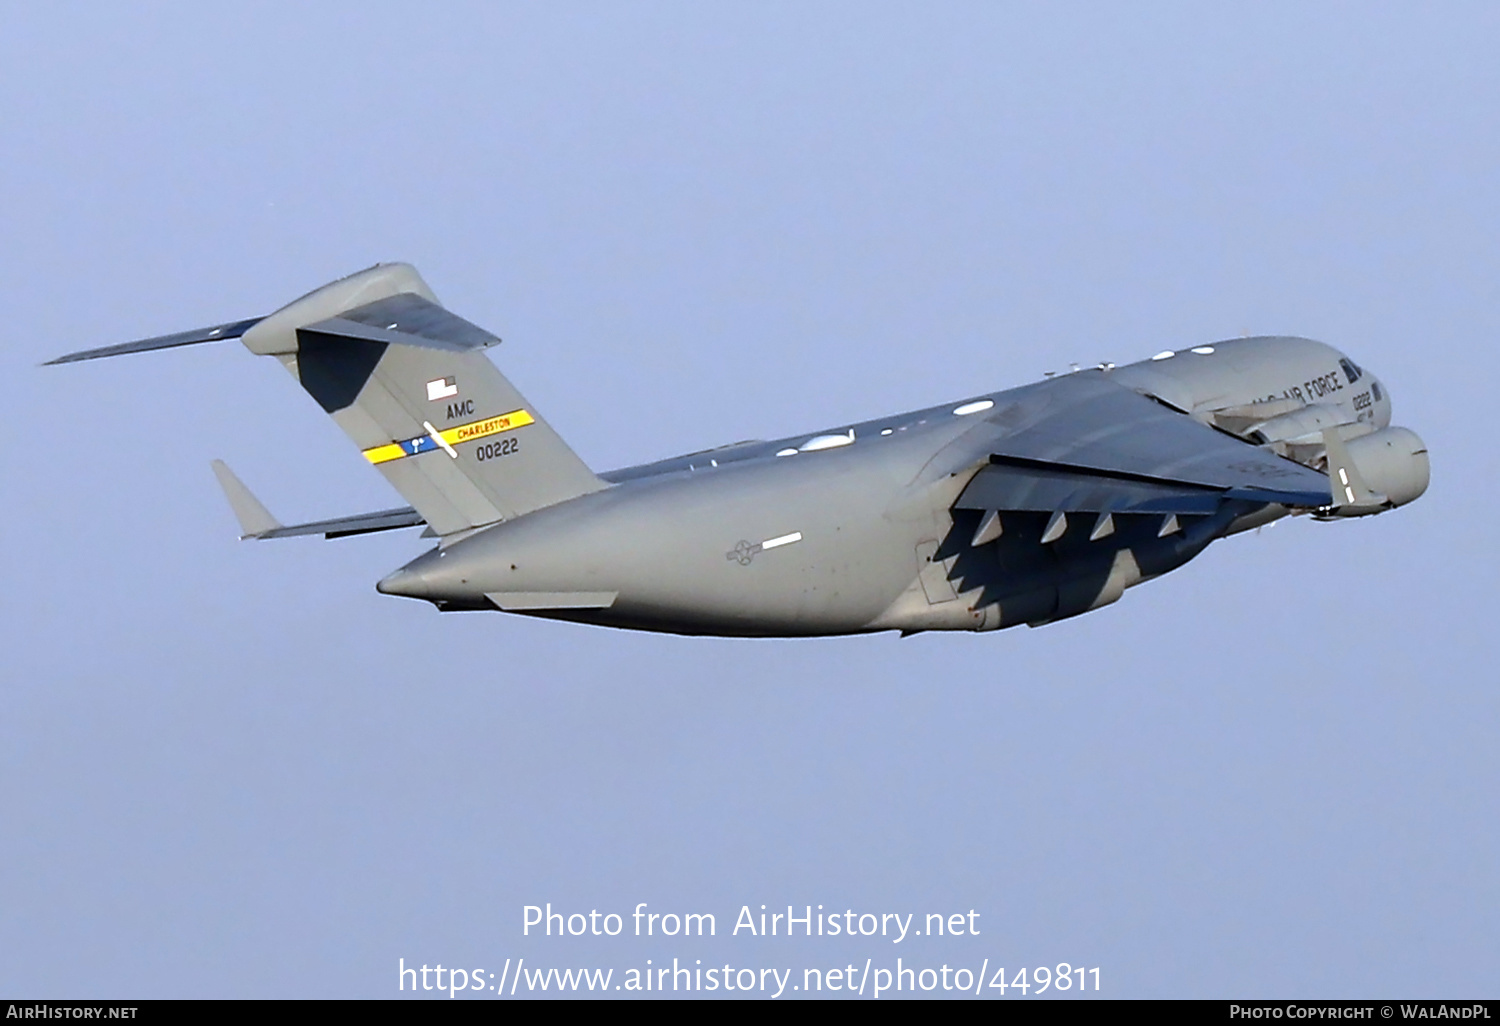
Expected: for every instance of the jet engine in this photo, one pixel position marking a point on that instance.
(1393, 462)
(1377, 472)
(1301, 425)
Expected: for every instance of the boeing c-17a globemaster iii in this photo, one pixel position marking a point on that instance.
(1023, 506)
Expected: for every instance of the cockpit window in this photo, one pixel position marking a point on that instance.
(1375, 390)
(1351, 369)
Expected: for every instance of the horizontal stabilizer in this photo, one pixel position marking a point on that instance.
(257, 522)
(407, 319)
(411, 384)
(216, 333)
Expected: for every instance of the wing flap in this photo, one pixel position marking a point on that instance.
(1013, 485)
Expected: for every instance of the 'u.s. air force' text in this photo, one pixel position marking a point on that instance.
(811, 922)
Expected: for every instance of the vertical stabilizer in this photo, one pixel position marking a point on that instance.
(411, 384)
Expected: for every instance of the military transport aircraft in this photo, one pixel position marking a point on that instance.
(1023, 506)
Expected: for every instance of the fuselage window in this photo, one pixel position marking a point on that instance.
(1375, 390)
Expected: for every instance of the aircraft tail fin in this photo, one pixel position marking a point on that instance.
(410, 383)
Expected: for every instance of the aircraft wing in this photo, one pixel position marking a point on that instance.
(344, 527)
(257, 522)
(1083, 443)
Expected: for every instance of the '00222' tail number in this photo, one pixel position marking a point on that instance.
(495, 450)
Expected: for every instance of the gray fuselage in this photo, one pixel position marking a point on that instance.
(853, 529)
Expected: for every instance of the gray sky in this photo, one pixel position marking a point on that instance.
(234, 769)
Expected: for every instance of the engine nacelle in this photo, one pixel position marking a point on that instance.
(1393, 463)
(1304, 424)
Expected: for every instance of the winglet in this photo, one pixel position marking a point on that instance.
(1350, 493)
(255, 520)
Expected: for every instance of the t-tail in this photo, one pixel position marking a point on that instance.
(411, 385)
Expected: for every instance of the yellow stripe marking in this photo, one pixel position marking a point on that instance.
(487, 427)
(453, 436)
(384, 453)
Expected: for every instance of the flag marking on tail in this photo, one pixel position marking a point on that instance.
(452, 436)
